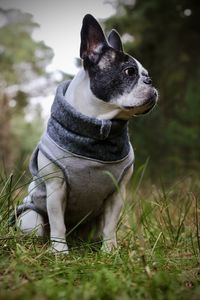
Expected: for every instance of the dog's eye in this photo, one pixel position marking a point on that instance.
(129, 71)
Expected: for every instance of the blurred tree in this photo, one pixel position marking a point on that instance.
(22, 60)
(165, 37)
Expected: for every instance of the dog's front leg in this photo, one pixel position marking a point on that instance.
(111, 214)
(56, 204)
(110, 219)
(56, 192)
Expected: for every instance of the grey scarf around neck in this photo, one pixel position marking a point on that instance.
(105, 140)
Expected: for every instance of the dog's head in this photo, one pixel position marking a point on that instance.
(115, 77)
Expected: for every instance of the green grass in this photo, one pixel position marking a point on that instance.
(158, 254)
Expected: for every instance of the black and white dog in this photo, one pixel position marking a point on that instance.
(86, 144)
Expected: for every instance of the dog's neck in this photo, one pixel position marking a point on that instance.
(80, 96)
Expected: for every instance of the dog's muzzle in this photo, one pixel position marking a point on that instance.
(151, 102)
(146, 106)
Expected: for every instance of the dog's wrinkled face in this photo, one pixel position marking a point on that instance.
(115, 76)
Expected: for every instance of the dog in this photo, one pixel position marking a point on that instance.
(86, 150)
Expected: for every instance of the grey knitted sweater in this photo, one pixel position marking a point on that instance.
(93, 155)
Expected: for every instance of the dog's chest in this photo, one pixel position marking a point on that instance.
(89, 184)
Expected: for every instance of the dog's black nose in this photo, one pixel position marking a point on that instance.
(147, 80)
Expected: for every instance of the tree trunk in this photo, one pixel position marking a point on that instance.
(6, 157)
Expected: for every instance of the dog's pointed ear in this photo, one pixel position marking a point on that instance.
(115, 40)
(92, 39)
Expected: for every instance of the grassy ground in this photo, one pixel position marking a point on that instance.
(158, 254)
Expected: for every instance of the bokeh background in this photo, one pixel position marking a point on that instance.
(163, 35)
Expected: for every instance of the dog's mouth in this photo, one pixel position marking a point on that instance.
(145, 107)
(142, 109)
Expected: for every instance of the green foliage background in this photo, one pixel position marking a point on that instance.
(167, 42)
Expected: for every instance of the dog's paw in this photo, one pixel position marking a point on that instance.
(109, 246)
(59, 248)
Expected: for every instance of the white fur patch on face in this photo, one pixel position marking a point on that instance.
(141, 69)
(136, 97)
(106, 60)
(136, 102)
